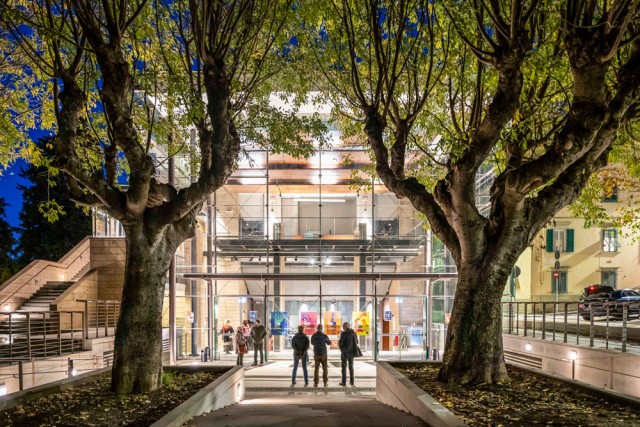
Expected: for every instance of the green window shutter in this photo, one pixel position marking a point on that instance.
(569, 240)
(549, 239)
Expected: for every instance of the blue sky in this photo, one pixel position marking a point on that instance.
(8, 183)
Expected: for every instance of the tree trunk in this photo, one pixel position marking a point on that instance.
(137, 364)
(474, 351)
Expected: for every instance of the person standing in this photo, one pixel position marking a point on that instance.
(241, 346)
(320, 341)
(300, 345)
(258, 334)
(348, 343)
(246, 333)
(227, 336)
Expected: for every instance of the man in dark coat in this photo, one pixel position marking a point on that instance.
(258, 334)
(300, 345)
(320, 341)
(348, 343)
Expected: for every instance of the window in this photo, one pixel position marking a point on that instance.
(560, 239)
(386, 227)
(251, 227)
(561, 281)
(610, 240)
(608, 278)
(611, 195)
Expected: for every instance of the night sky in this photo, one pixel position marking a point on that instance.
(8, 183)
(10, 179)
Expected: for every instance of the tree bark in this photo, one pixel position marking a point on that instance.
(137, 364)
(474, 352)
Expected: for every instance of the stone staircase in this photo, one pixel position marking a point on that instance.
(42, 299)
(34, 330)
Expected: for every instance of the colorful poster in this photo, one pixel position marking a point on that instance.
(309, 319)
(361, 322)
(253, 316)
(279, 323)
(332, 322)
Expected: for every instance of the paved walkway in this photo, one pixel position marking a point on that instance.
(271, 400)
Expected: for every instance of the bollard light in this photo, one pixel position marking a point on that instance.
(573, 355)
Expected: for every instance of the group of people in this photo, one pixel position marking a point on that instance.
(245, 337)
(348, 350)
(300, 343)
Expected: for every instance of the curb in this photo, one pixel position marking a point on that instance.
(396, 390)
(225, 391)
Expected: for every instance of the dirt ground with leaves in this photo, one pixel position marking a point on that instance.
(527, 400)
(93, 404)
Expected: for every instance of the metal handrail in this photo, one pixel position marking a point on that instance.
(107, 319)
(539, 321)
(49, 264)
(42, 332)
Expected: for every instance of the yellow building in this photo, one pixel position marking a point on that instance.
(596, 255)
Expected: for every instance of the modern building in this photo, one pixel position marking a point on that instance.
(301, 241)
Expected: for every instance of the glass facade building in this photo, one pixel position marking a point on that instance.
(294, 241)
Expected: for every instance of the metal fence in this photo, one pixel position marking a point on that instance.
(102, 317)
(574, 322)
(34, 334)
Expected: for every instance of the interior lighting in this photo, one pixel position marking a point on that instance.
(304, 306)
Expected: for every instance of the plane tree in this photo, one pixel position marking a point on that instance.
(120, 85)
(541, 90)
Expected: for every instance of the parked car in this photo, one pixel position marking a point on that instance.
(602, 297)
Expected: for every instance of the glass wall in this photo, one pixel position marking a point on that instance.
(279, 214)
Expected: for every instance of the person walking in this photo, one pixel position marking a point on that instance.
(227, 336)
(258, 334)
(300, 345)
(241, 346)
(348, 343)
(320, 340)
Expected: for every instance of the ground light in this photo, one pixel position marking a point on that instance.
(573, 355)
(527, 347)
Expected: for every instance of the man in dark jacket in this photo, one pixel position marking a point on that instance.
(258, 334)
(300, 345)
(320, 341)
(348, 343)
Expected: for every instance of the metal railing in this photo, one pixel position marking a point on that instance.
(574, 322)
(33, 334)
(33, 372)
(101, 315)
